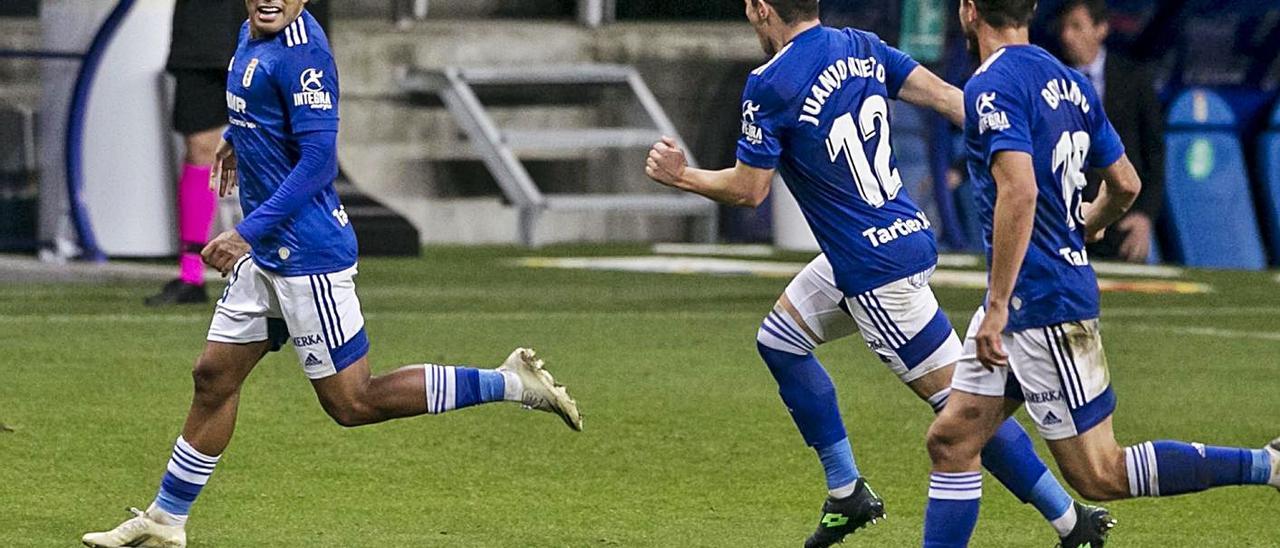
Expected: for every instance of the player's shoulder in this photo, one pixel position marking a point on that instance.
(305, 37)
(1007, 69)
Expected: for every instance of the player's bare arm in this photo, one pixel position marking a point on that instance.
(923, 88)
(222, 177)
(741, 185)
(1014, 217)
(1120, 187)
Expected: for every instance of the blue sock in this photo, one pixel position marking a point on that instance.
(839, 466)
(492, 385)
(186, 475)
(810, 397)
(952, 513)
(1165, 468)
(1012, 459)
(449, 387)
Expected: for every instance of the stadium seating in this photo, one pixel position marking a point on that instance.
(1269, 158)
(1210, 213)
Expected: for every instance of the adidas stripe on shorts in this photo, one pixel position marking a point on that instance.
(318, 314)
(900, 321)
(1060, 371)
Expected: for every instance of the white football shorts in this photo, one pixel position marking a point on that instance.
(1059, 371)
(900, 321)
(318, 314)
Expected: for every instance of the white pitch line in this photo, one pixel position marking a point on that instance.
(1200, 331)
(397, 316)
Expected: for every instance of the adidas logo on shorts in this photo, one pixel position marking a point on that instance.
(1050, 419)
(312, 361)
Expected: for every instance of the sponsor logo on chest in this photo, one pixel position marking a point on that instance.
(313, 93)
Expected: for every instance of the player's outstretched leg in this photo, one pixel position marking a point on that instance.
(354, 398)
(1100, 469)
(787, 349)
(1010, 456)
(218, 374)
(955, 441)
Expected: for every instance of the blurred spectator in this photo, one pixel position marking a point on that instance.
(204, 39)
(1129, 98)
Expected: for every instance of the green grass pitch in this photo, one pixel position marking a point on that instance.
(686, 442)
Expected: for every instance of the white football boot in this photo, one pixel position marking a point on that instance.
(140, 530)
(1273, 449)
(539, 388)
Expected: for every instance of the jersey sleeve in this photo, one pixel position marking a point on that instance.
(308, 81)
(897, 66)
(1002, 115)
(1106, 147)
(764, 119)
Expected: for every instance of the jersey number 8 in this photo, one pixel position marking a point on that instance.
(875, 187)
(1069, 156)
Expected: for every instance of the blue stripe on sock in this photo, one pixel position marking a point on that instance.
(779, 321)
(493, 385)
(176, 496)
(784, 337)
(838, 463)
(1260, 468)
(466, 387)
(1049, 498)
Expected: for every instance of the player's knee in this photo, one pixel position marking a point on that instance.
(1100, 479)
(949, 441)
(212, 381)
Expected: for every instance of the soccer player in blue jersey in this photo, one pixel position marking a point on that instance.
(1032, 126)
(292, 264)
(818, 111)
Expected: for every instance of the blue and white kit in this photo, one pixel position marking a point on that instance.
(1023, 99)
(819, 113)
(282, 102)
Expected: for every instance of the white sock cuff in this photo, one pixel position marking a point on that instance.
(1144, 474)
(440, 386)
(955, 486)
(190, 465)
(939, 399)
(780, 331)
(512, 386)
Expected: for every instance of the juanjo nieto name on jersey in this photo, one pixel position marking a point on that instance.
(818, 112)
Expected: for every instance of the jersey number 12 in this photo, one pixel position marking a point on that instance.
(883, 183)
(1069, 156)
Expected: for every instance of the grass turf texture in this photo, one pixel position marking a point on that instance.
(686, 442)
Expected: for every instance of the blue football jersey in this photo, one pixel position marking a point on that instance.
(1023, 99)
(819, 113)
(279, 87)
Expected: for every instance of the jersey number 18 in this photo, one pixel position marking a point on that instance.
(1069, 156)
(847, 135)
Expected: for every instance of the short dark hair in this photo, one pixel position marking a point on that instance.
(793, 10)
(1097, 9)
(1006, 13)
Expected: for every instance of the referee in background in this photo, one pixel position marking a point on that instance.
(204, 39)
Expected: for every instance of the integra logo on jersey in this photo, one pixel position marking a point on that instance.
(750, 130)
(988, 116)
(899, 228)
(313, 94)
